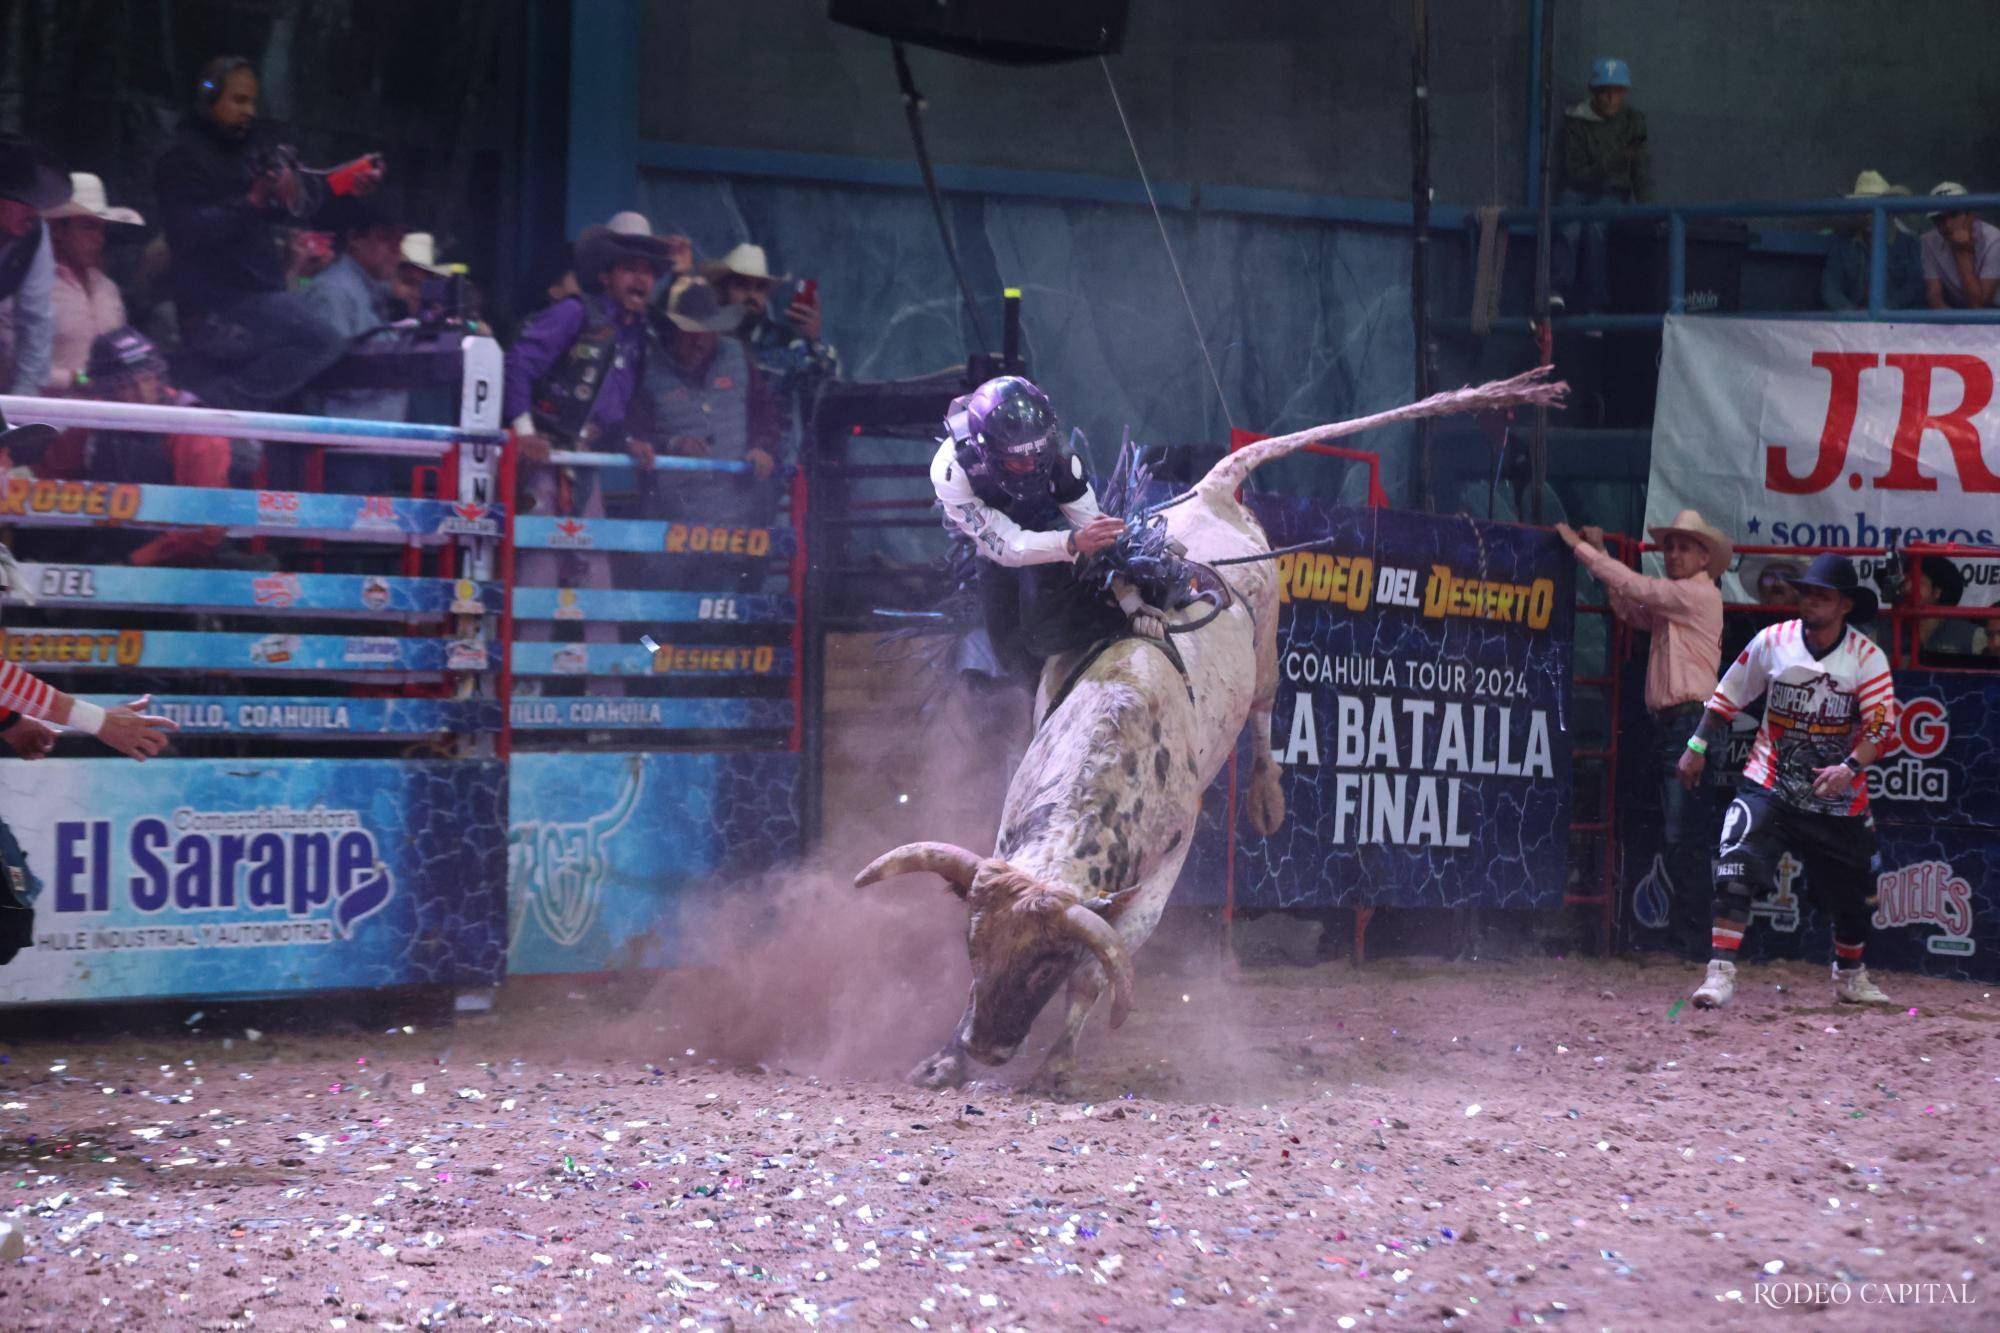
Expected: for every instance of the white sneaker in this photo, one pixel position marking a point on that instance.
(1720, 984)
(1854, 987)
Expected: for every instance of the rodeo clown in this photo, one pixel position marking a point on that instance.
(1829, 712)
(1022, 499)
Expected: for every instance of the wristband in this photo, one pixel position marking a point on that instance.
(85, 717)
(1698, 745)
(1853, 763)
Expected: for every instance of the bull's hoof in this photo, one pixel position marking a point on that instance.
(1053, 1079)
(946, 1069)
(1267, 801)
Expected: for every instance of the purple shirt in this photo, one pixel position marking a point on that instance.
(542, 342)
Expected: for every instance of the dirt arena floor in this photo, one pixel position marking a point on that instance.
(1410, 1145)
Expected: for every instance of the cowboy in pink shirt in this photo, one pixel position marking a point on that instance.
(86, 301)
(1683, 613)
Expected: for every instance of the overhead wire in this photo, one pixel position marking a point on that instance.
(1161, 222)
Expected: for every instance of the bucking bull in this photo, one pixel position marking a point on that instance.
(1101, 810)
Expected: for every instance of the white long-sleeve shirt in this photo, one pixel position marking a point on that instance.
(998, 537)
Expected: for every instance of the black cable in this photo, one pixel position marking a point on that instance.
(1273, 555)
(913, 108)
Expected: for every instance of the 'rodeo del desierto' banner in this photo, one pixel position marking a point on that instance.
(1422, 719)
(1813, 433)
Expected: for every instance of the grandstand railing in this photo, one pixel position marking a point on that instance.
(1677, 216)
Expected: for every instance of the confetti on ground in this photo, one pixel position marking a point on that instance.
(1236, 1161)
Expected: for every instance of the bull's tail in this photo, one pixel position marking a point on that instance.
(1533, 388)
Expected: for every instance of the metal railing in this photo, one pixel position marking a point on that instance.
(1677, 216)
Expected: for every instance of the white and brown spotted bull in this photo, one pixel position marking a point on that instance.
(1102, 808)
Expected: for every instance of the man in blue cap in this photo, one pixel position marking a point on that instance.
(1605, 160)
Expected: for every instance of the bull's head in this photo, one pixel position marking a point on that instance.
(1024, 936)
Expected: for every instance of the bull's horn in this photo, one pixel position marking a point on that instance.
(1103, 939)
(939, 858)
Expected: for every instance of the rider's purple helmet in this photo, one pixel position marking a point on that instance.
(1009, 423)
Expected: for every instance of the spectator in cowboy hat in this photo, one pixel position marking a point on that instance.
(572, 382)
(1683, 613)
(1843, 283)
(1941, 640)
(1961, 255)
(789, 352)
(418, 264)
(31, 183)
(86, 301)
(707, 399)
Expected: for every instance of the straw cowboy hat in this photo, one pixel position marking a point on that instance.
(87, 199)
(420, 251)
(1874, 185)
(1690, 523)
(745, 261)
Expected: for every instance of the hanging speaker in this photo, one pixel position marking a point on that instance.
(1006, 31)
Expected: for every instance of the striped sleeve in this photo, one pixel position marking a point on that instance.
(1875, 701)
(1744, 680)
(24, 693)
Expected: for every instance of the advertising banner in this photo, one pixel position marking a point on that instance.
(240, 877)
(1422, 720)
(652, 608)
(603, 848)
(653, 536)
(233, 590)
(189, 650)
(1807, 433)
(34, 502)
(321, 716)
(694, 661)
(604, 714)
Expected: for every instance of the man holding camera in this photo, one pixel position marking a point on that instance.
(226, 199)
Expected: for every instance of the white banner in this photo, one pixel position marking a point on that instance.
(1801, 433)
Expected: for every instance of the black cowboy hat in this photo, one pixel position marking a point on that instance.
(25, 444)
(30, 175)
(1945, 573)
(598, 248)
(1836, 573)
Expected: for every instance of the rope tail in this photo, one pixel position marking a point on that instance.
(1534, 388)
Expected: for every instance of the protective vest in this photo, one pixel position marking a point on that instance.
(715, 407)
(564, 396)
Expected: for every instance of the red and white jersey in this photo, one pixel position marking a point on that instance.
(22, 692)
(1818, 709)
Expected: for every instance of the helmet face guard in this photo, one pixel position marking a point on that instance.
(1012, 426)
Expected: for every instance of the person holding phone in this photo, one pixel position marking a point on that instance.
(780, 330)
